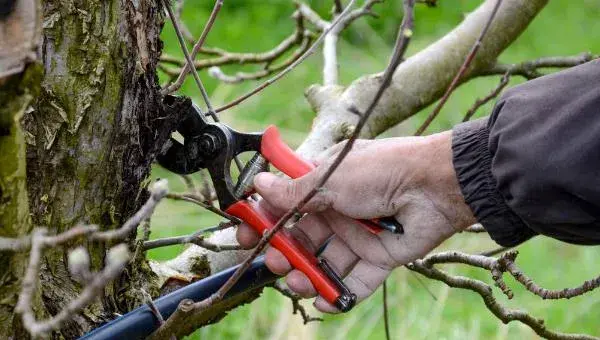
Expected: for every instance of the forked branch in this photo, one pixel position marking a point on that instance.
(505, 263)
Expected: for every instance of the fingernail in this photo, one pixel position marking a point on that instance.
(264, 181)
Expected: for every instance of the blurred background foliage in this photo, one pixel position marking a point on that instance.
(420, 308)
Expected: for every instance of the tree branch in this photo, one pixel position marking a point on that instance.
(117, 258)
(188, 197)
(426, 268)
(239, 77)
(506, 264)
(461, 71)
(482, 101)
(530, 69)
(300, 38)
(330, 62)
(195, 238)
(296, 306)
(420, 80)
(207, 28)
(297, 62)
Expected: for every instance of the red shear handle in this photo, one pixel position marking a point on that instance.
(285, 159)
(295, 253)
(281, 156)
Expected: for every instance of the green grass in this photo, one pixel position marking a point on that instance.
(561, 29)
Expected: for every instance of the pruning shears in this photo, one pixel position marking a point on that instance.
(213, 146)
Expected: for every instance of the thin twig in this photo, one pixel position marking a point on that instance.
(506, 264)
(195, 238)
(330, 61)
(298, 38)
(460, 73)
(482, 101)
(217, 73)
(15, 244)
(386, 321)
(495, 252)
(179, 4)
(158, 191)
(198, 201)
(296, 306)
(278, 76)
(365, 10)
(117, 258)
(530, 69)
(190, 61)
(186, 53)
(186, 68)
(485, 291)
(190, 184)
(152, 306)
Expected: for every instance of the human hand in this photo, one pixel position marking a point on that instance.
(410, 178)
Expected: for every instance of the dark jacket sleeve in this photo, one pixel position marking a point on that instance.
(533, 167)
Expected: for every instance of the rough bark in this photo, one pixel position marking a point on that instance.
(92, 134)
(420, 80)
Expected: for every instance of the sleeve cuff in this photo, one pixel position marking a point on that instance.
(472, 163)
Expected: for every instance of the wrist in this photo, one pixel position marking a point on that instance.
(441, 182)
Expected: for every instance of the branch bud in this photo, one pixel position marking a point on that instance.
(159, 189)
(79, 264)
(118, 255)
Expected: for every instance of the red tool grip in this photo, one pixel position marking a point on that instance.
(295, 253)
(285, 159)
(281, 156)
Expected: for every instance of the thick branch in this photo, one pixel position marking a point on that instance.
(419, 81)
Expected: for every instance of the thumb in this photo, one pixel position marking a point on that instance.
(285, 193)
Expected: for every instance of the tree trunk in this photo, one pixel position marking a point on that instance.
(91, 136)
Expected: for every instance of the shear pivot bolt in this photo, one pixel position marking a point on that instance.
(209, 144)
